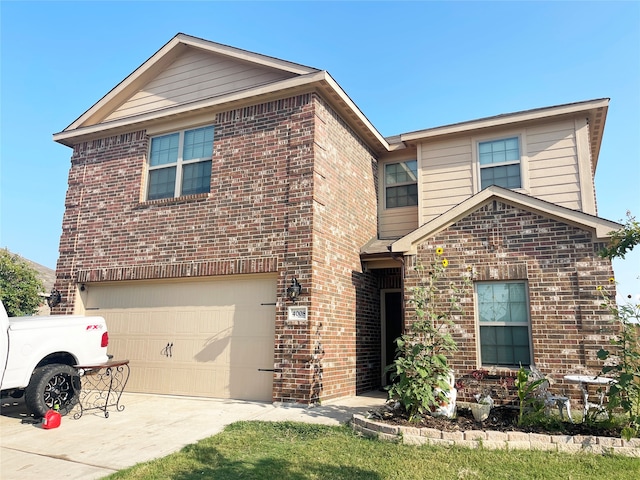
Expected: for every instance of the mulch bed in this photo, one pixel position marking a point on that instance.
(501, 418)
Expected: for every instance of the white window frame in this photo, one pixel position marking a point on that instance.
(385, 185)
(479, 324)
(524, 159)
(179, 164)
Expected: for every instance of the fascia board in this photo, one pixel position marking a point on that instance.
(506, 119)
(169, 52)
(354, 110)
(246, 55)
(319, 80)
(601, 227)
(291, 83)
(407, 244)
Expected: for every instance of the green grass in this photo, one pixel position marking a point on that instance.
(296, 451)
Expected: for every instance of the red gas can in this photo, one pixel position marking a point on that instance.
(51, 419)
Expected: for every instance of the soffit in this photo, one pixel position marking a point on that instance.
(377, 246)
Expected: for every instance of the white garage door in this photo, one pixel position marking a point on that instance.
(202, 338)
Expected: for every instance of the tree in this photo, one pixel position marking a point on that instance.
(20, 286)
(622, 241)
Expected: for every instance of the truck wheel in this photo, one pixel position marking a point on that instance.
(55, 384)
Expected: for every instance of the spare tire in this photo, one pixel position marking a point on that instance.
(55, 384)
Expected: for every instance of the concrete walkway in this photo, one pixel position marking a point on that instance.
(150, 426)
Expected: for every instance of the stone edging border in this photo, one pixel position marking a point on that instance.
(496, 440)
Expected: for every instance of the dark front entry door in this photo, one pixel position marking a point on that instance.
(392, 326)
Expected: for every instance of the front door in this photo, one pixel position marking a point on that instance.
(391, 327)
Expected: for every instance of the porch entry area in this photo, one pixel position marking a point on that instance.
(391, 327)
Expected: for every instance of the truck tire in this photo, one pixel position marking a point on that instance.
(55, 384)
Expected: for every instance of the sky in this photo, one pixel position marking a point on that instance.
(407, 65)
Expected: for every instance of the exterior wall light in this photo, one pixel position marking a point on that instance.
(54, 298)
(294, 291)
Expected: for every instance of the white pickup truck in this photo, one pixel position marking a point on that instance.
(38, 354)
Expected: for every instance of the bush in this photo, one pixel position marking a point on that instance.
(20, 286)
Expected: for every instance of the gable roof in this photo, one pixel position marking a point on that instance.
(164, 87)
(600, 227)
(594, 110)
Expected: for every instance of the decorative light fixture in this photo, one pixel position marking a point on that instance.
(54, 298)
(294, 291)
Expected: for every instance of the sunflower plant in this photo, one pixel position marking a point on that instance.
(419, 373)
(622, 358)
(622, 362)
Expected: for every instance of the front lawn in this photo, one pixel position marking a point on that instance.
(291, 451)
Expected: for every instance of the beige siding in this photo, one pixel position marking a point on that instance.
(397, 222)
(447, 168)
(553, 164)
(193, 76)
(445, 175)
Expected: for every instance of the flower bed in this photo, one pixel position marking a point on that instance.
(511, 440)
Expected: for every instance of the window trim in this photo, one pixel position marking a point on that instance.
(524, 159)
(179, 164)
(478, 324)
(385, 186)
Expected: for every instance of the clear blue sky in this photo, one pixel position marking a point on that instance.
(407, 65)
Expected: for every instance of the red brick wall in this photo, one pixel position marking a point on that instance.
(270, 162)
(562, 269)
(343, 299)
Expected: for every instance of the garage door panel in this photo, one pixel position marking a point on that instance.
(136, 322)
(212, 321)
(133, 349)
(216, 348)
(250, 384)
(253, 326)
(250, 351)
(148, 380)
(128, 321)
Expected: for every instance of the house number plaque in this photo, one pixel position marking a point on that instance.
(298, 313)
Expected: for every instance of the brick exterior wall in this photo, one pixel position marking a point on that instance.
(345, 303)
(562, 269)
(292, 192)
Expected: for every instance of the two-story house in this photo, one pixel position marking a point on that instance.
(248, 233)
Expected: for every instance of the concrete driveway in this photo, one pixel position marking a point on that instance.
(149, 427)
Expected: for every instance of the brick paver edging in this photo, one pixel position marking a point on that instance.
(496, 440)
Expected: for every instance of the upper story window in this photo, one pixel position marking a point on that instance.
(500, 163)
(504, 324)
(180, 163)
(401, 184)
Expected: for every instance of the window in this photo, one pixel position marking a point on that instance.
(180, 163)
(401, 187)
(503, 318)
(500, 163)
